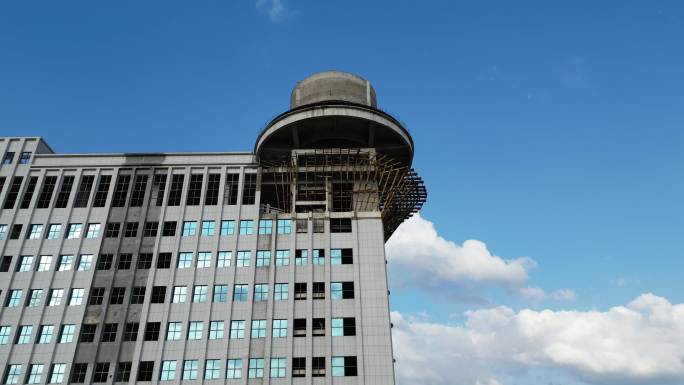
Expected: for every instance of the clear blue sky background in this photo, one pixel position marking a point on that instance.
(552, 130)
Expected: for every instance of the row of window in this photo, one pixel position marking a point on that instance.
(200, 294)
(184, 260)
(123, 193)
(341, 366)
(24, 157)
(151, 229)
(344, 326)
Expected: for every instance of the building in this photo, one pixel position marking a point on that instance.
(263, 267)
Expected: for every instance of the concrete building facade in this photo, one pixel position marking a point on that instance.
(262, 267)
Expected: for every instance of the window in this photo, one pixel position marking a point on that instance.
(158, 185)
(117, 297)
(302, 226)
(231, 192)
(277, 367)
(180, 294)
(93, 230)
(220, 293)
(190, 369)
(318, 257)
(76, 297)
(87, 333)
(237, 329)
(169, 229)
(199, 294)
(227, 227)
(138, 295)
(150, 229)
(318, 366)
(164, 260)
(13, 298)
(102, 191)
(279, 328)
(168, 371)
(13, 373)
(35, 232)
(263, 258)
(124, 261)
(281, 292)
(24, 335)
(64, 191)
(34, 297)
(54, 231)
(144, 261)
(74, 230)
(318, 290)
(109, 332)
(260, 292)
(246, 227)
(259, 328)
(44, 263)
(6, 263)
(203, 259)
(298, 366)
(26, 263)
(9, 158)
(121, 190)
(223, 259)
(189, 228)
(184, 260)
(249, 190)
(104, 262)
(282, 258)
(152, 331)
(138, 194)
(173, 331)
(343, 327)
(16, 231)
(56, 296)
(340, 225)
(25, 157)
(284, 226)
(131, 331)
(96, 296)
(256, 368)
(145, 370)
(83, 192)
(28, 193)
(13, 193)
(66, 334)
(85, 262)
(300, 291)
(195, 330)
(215, 330)
(211, 197)
(65, 262)
(212, 369)
(318, 327)
(301, 257)
(265, 226)
(101, 372)
(45, 334)
(57, 373)
(240, 292)
(4, 334)
(112, 230)
(131, 230)
(299, 327)
(343, 366)
(123, 372)
(243, 258)
(341, 290)
(49, 183)
(208, 228)
(194, 190)
(234, 368)
(78, 373)
(341, 256)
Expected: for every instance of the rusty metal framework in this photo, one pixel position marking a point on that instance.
(344, 180)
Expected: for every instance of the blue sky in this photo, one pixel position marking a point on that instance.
(545, 130)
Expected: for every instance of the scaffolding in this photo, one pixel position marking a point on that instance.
(343, 180)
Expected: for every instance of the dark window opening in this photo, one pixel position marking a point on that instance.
(299, 327)
(158, 294)
(176, 190)
(138, 194)
(340, 225)
(87, 333)
(211, 197)
(164, 261)
(102, 191)
(83, 193)
(150, 229)
(112, 230)
(231, 192)
(104, 262)
(124, 262)
(158, 189)
(64, 192)
(169, 229)
(300, 290)
(121, 190)
(249, 190)
(13, 192)
(194, 190)
(144, 261)
(28, 193)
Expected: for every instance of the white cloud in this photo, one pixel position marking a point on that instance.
(641, 343)
(275, 9)
(417, 246)
(537, 294)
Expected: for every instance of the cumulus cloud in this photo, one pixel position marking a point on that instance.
(417, 245)
(640, 343)
(275, 9)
